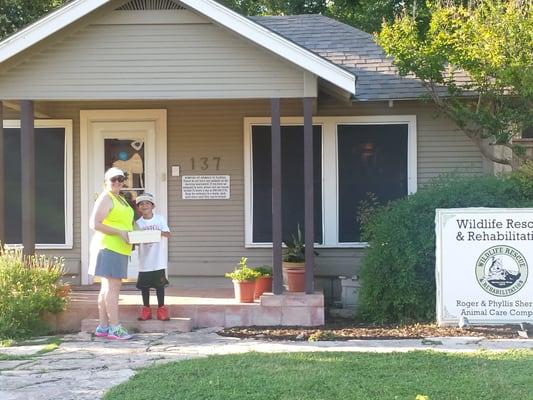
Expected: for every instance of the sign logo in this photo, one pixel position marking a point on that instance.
(501, 270)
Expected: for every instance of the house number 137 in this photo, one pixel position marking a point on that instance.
(204, 163)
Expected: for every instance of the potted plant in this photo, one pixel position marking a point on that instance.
(264, 282)
(294, 262)
(243, 278)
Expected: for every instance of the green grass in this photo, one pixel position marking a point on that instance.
(366, 376)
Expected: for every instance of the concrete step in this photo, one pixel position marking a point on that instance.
(150, 326)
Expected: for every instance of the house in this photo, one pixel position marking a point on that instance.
(199, 105)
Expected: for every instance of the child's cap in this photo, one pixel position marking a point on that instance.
(112, 172)
(145, 197)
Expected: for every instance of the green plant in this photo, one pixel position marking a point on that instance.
(29, 288)
(398, 270)
(294, 250)
(242, 272)
(264, 270)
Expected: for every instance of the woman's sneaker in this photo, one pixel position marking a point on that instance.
(119, 333)
(101, 331)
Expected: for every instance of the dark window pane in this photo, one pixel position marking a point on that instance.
(292, 170)
(49, 190)
(527, 133)
(372, 159)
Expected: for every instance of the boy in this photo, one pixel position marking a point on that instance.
(152, 259)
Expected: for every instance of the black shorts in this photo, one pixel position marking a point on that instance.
(152, 279)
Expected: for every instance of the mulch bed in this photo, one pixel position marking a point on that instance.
(347, 329)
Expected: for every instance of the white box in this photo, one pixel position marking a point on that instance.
(148, 236)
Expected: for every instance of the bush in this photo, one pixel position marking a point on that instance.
(242, 272)
(29, 287)
(398, 271)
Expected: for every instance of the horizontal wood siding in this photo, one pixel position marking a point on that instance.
(159, 61)
(208, 236)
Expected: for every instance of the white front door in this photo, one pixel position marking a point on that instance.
(130, 145)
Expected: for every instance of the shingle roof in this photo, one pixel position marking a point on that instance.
(351, 49)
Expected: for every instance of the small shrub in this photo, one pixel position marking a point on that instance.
(243, 272)
(264, 270)
(398, 271)
(29, 287)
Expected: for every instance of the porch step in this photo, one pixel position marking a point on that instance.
(150, 326)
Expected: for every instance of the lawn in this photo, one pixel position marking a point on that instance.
(325, 375)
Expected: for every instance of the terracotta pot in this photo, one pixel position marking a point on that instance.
(262, 284)
(290, 265)
(244, 291)
(295, 279)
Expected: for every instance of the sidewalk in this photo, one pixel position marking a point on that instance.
(84, 367)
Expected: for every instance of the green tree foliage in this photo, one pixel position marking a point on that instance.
(493, 43)
(398, 271)
(15, 14)
(363, 14)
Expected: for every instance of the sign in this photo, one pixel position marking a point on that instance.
(205, 187)
(484, 258)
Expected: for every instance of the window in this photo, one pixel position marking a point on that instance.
(352, 156)
(53, 177)
(292, 171)
(527, 133)
(372, 159)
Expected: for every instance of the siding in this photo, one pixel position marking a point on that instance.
(151, 61)
(208, 236)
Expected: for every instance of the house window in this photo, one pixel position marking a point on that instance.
(53, 179)
(372, 159)
(352, 157)
(292, 171)
(527, 133)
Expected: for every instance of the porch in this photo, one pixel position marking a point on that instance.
(195, 308)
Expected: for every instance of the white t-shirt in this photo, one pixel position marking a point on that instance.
(153, 256)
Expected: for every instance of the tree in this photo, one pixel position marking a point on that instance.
(15, 14)
(492, 42)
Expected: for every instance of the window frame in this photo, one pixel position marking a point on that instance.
(65, 124)
(330, 184)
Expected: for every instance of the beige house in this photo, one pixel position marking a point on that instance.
(183, 95)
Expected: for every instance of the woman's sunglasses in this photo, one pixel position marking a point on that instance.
(117, 179)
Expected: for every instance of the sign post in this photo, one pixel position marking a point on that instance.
(483, 261)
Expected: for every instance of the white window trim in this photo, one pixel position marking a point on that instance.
(330, 207)
(68, 166)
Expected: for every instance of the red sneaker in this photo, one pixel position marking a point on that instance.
(162, 313)
(146, 313)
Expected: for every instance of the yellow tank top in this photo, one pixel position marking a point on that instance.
(120, 217)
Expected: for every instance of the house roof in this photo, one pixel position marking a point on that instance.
(349, 48)
(243, 26)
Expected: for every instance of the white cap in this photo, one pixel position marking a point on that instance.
(145, 197)
(112, 172)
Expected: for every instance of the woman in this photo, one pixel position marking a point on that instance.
(111, 219)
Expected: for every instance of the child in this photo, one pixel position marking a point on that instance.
(152, 259)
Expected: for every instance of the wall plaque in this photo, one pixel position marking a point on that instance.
(205, 187)
(483, 261)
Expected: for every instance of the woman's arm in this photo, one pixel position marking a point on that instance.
(102, 207)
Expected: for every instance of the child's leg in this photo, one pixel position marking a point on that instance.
(146, 296)
(160, 293)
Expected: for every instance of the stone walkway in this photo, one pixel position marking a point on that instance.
(84, 367)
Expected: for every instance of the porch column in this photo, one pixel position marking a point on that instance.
(277, 276)
(308, 195)
(2, 177)
(27, 171)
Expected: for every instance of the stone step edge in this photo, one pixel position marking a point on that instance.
(177, 324)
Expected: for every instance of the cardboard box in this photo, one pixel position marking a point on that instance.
(148, 236)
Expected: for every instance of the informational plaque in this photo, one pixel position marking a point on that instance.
(205, 187)
(484, 256)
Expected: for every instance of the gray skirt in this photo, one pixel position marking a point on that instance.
(110, 264)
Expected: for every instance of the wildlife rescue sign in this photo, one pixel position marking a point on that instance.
(484, 258)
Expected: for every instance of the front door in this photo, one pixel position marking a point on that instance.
(130, 146)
